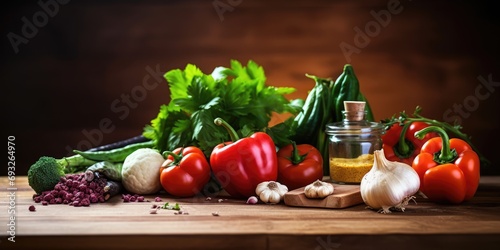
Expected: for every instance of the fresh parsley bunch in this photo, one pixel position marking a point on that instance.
(238, 94)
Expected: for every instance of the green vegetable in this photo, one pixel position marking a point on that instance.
(238, 94)
(114, 155)
(310, 120)
(346, 88)
(47, 171)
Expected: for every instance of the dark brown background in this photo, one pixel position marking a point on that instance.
(68, 76)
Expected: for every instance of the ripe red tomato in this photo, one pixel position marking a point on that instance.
(185, 172)
(299, 165)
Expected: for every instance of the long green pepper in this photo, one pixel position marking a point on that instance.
(114, 155)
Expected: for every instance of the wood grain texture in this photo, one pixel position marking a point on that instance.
(119, 225)
(343, 196)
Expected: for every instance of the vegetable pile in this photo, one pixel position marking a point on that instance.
(215, 129)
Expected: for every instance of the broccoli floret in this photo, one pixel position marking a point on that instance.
(47, 171)
(45, 174)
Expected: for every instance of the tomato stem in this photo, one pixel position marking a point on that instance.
(232, 133)
(296, 158)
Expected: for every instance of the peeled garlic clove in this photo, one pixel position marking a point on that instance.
(389, 184)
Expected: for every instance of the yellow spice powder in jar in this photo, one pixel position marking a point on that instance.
(350, 170)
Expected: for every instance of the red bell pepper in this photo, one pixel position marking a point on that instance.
(299, 165)
(184, 172)
(400, 143)
(240, 165)
(448, 168)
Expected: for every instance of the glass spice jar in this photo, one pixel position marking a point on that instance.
(352, 143)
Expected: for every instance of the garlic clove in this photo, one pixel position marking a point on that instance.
(252, 200)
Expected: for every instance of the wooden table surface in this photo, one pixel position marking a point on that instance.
(118, 225)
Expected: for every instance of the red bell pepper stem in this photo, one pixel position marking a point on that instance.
(232, 133)
(177, 157)
(446, 155)
(403, 150)
(296, 158)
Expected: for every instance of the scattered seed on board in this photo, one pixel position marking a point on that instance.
(215, 213)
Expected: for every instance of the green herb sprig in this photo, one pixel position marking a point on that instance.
(237, 94)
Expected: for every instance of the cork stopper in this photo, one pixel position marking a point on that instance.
(354, 110)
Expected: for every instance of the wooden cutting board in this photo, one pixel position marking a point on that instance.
(343, 196)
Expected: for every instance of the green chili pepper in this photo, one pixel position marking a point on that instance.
(348, 90)
(314, 111)
(317, 112)
(114, 155)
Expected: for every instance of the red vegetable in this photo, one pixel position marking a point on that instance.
(299, 165)
(242, 164)
(400, 143)
(449, 169)
(185, 172)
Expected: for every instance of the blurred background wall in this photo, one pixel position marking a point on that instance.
(74, 73)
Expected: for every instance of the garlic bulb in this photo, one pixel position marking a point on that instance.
(271, 191)
(389, 184)
(318, 189)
